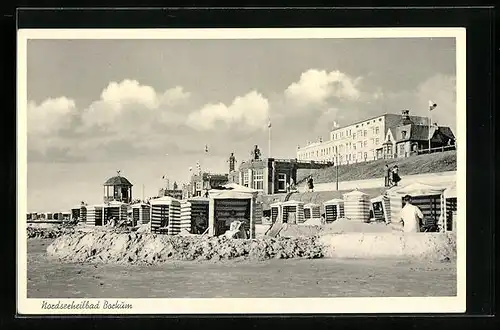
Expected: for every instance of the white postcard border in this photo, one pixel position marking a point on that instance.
(391, 305)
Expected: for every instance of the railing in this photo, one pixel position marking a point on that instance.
(436, 149)
(325, 162)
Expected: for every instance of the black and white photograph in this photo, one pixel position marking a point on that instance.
(241, 171)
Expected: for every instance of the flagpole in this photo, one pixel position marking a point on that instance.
(432, 106)
(269, 140)
(430, 124)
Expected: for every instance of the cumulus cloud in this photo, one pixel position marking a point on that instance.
(50, 116)
(174, 96)
(126, 111)
(129, 91)
(317, 86)
(129, 104)
(251, 111)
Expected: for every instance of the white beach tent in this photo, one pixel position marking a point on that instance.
(450, 206)
(229, 205)
(430, 200)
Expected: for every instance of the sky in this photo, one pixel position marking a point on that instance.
(149, 107)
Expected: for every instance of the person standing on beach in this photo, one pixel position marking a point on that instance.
(310, 183)
(387, 176)
(395, 175)
(411, 216)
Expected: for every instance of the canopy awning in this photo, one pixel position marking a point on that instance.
(417, 189)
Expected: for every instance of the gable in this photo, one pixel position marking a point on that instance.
(389, 137)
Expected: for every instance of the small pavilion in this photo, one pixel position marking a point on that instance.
(118, 188)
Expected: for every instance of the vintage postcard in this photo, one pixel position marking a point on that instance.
(175, 171)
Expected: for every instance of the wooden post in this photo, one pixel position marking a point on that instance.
(211, 217)
(252, 218)
(273, 176)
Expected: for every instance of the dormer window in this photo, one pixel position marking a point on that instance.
(403, 134)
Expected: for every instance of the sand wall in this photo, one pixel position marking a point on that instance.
(150, 248)
(435, 246)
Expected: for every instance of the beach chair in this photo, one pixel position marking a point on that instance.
(163, 229)
(275, 229)
(235, 230)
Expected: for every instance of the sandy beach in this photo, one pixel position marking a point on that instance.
(238, 279)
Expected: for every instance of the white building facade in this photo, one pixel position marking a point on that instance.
(359, 142)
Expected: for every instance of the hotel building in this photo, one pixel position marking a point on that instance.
(361, 141)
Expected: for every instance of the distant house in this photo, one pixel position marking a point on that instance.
(204, 181)
(174, 193)
(408, 139)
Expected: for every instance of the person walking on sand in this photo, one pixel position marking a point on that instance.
(411, 217)
(310, 183)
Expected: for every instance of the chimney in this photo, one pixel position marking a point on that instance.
(405, 117)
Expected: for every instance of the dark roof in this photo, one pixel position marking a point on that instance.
(446, 131)
(117, 181)
(421, 132)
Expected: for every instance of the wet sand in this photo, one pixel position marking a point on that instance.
(237, 279)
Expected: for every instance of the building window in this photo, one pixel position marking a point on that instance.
(258, 179)
(377, 140)
(245, 179)
(365, 132)
(377, 130)
(366, 155)
(354, 146)
(380, 119)
(365, 143)
(401, 149)
(403, 134)
(281, 182)
(354, 136)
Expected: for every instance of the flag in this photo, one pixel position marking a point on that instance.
(432, 105)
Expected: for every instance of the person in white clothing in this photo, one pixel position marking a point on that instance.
(411, 216)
